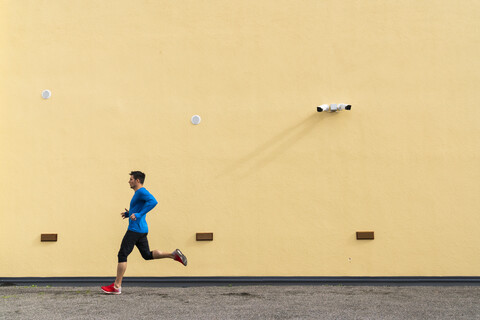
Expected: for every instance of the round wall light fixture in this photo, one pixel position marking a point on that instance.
(46, 94)
(196, 119)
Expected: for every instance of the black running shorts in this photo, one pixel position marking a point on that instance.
(132, 239)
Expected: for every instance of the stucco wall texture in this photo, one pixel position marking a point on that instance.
(283, 188)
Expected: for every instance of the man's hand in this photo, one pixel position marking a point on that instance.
(124, 214)
(132, 216)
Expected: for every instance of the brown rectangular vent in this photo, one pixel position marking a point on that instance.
(48, 237)
(206, 236)
(365, 235)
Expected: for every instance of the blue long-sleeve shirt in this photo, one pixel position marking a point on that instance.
(141, 203)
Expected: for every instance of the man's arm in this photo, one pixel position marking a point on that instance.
(150, 203)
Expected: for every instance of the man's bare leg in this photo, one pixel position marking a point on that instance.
(121, 268)
(157, 254)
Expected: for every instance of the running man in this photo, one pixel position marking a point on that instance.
(142, 202)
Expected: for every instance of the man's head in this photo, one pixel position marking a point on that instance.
(137, 178)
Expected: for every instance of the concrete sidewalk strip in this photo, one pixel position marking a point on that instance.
(242, 302)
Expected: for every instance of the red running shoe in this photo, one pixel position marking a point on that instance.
(180, 257)
(111, 289)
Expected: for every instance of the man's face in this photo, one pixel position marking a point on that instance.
(133, 183)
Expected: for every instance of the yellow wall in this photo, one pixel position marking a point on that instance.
(283, 188)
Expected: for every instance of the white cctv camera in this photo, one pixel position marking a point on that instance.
(334, 107)
(344, 106)
(323, 107)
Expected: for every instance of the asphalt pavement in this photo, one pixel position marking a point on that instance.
(242, 302)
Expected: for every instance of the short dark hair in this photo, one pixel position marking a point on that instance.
(138, 175)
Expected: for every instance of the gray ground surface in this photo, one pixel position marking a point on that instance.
(242, 302)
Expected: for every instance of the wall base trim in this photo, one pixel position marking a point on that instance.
(238, 281)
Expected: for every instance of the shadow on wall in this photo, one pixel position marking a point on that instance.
(270, 150)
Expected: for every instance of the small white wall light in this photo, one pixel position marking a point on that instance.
(196, 119)
(46, 94)
(334, 107)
